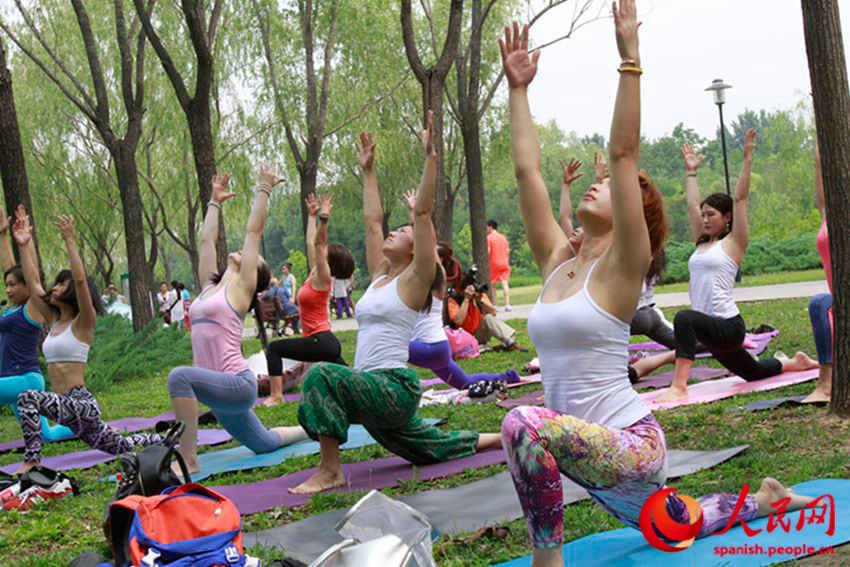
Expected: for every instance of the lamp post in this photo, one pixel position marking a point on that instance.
(717, 87)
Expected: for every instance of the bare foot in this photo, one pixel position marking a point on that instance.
(272, 401)
(817, 396)
(320, 481)
(674, 393)
(804, 361)
(772, 491)
(24, 468)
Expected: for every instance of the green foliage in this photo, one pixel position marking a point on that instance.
(299, 265)
(118, 354)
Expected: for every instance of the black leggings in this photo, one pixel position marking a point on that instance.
(724, 339)
(319, 347)
(647, 321)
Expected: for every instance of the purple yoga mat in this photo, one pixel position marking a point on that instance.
(257, 497)
(532, 399)
(761, 340)
(93, 457)
(664, 379)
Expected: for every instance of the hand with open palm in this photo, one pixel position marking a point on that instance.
(519, 67)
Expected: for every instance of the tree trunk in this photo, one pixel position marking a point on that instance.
(200, 131)
(828, 71)
(432, 99)
(307, 177)
(13, 169)
(141, 279)
(475, 187)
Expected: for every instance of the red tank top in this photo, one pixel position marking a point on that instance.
(314, 308)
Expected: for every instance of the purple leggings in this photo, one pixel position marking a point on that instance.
(437, 357)
(342, 303)
(620, 468)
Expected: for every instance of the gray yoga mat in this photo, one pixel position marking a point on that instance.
(772, 403)
(486, 502)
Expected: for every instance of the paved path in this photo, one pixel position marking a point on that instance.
(675, 299)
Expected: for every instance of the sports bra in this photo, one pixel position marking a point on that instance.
(64, 347)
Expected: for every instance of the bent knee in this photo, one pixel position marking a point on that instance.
(524, 421)
(180, 383)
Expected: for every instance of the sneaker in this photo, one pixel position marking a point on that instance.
(515, 346)
(508, 308)
(10, 493)
(36, 494)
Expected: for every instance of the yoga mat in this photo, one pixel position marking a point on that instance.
(761, 340)
(628, 548)
(664, 379)
(93, 457)
(487, 502)
(714, 390)
(532, 399)
(775, 403)
(242, 458)
(258, 497)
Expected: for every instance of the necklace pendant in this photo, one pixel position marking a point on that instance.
(571, 274)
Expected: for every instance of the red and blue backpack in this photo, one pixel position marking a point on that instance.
(187, 525)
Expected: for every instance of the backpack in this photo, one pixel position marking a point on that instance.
(148, 472)
(187, 525)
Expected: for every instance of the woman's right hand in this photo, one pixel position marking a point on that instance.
(267, 176)
(570, 170)
(219, 188)
(691, 157)
(600, 169)
(410, 199)
(626, 29)
(22, 230)
(366, 151)
(312, 205)
(326, 203)
(6, 221)
(519, 67)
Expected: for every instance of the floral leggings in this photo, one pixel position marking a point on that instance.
(619, 468)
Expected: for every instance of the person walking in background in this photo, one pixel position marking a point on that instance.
(340, 287)
(500, 268)
(288, 280)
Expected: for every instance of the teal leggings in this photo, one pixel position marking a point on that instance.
(11, 386)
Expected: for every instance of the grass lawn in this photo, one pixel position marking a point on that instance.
(526, 294)
(792, 444)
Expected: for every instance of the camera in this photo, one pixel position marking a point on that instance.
(473, 275)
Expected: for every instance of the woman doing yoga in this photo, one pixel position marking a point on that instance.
(429, 346)
(20, 327)
(820, 306)
(594, 428)
(326, 261)
(220, 377)
(720, 228)
(381, 392)
(70, 309)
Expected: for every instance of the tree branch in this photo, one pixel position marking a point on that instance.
(164, 58)
(102, 108)
(409, 39)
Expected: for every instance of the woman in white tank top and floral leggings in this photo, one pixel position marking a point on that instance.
(594, 428)
(720, 228)
(380, 392)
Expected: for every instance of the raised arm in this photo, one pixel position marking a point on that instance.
(207, 265)
(545, 237)
(373, 214)
(419, 275)
(740, 235)
(410, 201)
(310, 235)
(247, 283)
(7, 257)
(85, 320)
(692, 162)
(22, 233)
(630, 249)
(565, 207)
(820, 200)
(322, 280)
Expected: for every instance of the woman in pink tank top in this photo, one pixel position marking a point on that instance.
(220, 377)
(820, 306)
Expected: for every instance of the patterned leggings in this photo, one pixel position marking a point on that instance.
(78, 410)
(619, 468)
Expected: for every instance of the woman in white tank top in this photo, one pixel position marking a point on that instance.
(593, 423)
(720, 229)
(380, 392)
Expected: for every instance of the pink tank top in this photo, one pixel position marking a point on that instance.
(217, 333)
(822, 244)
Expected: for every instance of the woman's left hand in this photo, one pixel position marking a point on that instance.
(65, 223)
(428, 141)
(626, 28)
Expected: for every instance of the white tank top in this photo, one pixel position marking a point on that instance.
(647, 293)
(429, 326)
(712, 280)
(385, 325)
(583, 359)
(64, 347)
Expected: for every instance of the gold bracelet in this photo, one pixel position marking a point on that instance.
(266, 191)
(636, 70)
(214, 204)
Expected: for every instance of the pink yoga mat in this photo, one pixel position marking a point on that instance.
(92, 457)
(714, 390)
(257, 497)
(664, 379)
(760, 341)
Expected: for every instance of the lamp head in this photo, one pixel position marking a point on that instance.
(717, 88)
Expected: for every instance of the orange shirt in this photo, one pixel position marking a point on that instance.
(314, 308)
(499, 248)
(473, 313)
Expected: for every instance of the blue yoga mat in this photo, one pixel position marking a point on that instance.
(242, 458)
(628, 548)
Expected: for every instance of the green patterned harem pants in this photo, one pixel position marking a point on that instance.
(385, 403)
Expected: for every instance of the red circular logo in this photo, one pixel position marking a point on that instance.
(654, 520)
